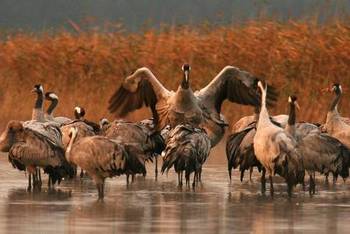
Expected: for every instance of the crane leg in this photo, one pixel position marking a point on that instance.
(263, 181)
(156, 166)
(187, 177)
(127, 179)
(194, 180)
(35, 179)
(181, 178)
(289, 189)
(250, 174)
(326, 180)
(230, 175)
(312, 184)
(39, 176)
(29, 182)
(100, 191)
(75, 168)
(198, 177)
(271, 186)
(242, 175)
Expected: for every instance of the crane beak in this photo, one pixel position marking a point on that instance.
(297, 106)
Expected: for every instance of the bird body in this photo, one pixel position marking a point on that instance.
(240, 151)
(242, 123)
(320, 151)
(187, 148)
(200, 108)
(184, 108)
(29, 149)
(99, 156)
(84, 130)
(141, 138)
(276, 149)
(337, 128)
(240, 143)
(269, 148)
(336, 125)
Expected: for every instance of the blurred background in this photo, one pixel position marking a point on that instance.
(37, 15)
(82, 49)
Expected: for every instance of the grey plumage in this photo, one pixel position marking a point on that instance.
(187, 148)
(84, 130)
(320, 151)
(276, 149)
(336, 125)
(53, 98)
(240, 144)
(45, 127)
(29, 149)
(240, 151)
(38, 110)
(184, 106)
(149, 143)
(99, 156)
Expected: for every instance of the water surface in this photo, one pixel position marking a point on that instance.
(149, 206)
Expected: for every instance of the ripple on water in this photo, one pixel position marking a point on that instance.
(216, 206)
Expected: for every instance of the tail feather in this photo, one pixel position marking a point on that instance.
(343, 162)
(233, 152)
(158, 143)
(135, 162)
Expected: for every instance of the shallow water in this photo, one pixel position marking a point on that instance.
(161, 207)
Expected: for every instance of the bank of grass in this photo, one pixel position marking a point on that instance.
(85, 68)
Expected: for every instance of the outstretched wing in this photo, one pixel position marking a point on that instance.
(140, 89)
(235, 85)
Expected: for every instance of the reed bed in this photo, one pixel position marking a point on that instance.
(85, 68)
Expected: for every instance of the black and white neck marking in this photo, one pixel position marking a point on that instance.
(38, 89)
(54, 102)
(292, 110)
(185, 84)
(79, 112)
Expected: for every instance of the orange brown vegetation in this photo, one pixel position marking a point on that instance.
(85, 68)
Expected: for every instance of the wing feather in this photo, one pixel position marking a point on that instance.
(235, 85)
(140, 89)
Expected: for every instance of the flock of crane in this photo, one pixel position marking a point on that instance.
(184, 126)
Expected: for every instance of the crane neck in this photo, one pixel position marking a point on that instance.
(51, 108)
(185, 84)
(264, 114)
(256, 113)
(38, 111)
(335, 102)
(70, 144)
(290, 128)
(292, 114)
